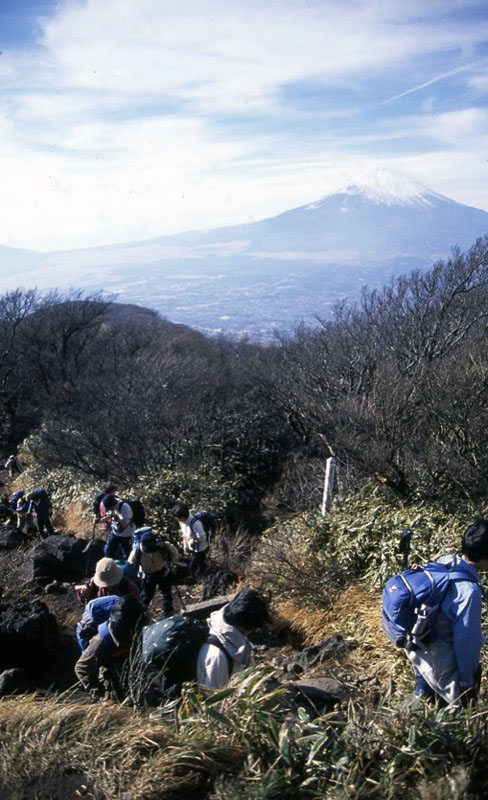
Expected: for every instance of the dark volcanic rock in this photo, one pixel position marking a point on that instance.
(217, 581)
(320, 695)
(10, 539)
(323, 651)
(56, 587)
(64, 558)
(180, 572)
(28, 635)
(14, 681)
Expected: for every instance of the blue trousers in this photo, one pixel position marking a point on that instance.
(117, 546)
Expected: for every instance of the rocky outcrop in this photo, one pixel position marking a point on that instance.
(64, 558)
(10, 539)
(217, 581)
(14, 681)
(29, 636)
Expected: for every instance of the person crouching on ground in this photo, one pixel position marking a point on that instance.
(99, 667)
(231, 625)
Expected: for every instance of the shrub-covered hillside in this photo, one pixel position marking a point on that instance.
(393, 387)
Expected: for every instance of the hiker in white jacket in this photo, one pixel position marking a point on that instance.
(231, 651)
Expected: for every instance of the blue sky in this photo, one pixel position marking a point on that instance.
(129, 119)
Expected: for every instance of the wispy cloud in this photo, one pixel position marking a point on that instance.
(437, 78)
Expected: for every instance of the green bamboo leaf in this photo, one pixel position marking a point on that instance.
(218, 696)
(219, 717)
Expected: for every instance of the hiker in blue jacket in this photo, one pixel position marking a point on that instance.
(448, 667)
(100, 665)
(40, 505)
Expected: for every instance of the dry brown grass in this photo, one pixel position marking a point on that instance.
(103, 752)
(73, 518)
(356, 613)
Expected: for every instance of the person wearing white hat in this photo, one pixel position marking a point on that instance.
(108, 579)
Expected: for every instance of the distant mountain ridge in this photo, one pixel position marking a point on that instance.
(271, 274)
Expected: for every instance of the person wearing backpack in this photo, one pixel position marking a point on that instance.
(100, 665)
(447, 662)
(227, 649)
(17, 506)
(100, 516)
(13, 466)
(182, 649)
(40, 505)
(152, 557)
(96, 611)
(122, 526)
(194, 535)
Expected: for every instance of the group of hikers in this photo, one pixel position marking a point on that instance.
(432, 612)
(32, 511)
(442, 637)
(136, 562)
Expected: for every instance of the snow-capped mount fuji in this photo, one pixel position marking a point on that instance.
(382, 217)
(274, 273)
(384, 187)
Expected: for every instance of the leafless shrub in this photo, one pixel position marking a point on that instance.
(284, 564)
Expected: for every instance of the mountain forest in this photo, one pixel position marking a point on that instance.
(393, 386)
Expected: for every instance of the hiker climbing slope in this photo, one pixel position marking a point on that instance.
(99, 666)
(194, 536)
(152, 557)
(100, 516)
(40, 507)
(228, 650)
(108, 579)
(122, 526)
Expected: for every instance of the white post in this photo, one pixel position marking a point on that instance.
(328, 484)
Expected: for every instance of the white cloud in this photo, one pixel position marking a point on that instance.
(232, 56)
(479, 83)
(134, 119)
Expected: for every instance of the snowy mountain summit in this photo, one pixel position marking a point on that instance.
(273, 273)
(384, 187)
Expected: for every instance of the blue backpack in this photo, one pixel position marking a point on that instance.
(39, 494)
(13, 499)
(97, 611)
(129, 571)
(412, 599)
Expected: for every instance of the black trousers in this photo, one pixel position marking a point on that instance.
(149, 586)
(197, 563)
(44, 523)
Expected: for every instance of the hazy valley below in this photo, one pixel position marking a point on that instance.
(258, 278)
